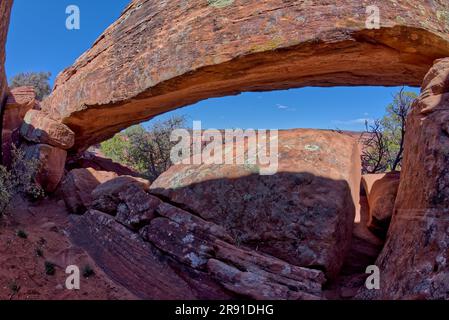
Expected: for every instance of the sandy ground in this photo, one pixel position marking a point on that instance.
(23, 260)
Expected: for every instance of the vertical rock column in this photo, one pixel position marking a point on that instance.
(5, 10)
(415, 261)
(47, 140)
(19, 102)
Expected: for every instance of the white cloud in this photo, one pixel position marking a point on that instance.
(360, 121)
(284, 107)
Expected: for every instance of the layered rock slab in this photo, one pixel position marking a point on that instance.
(171, 245)
(149, 267)
(198, 50)
(302, 214)
(127, 259)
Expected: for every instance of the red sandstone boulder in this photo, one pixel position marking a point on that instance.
(381, 191)
(107, 195)
(255, 276)
(414, 262)
(136, 208)
(205, 246)
(19, 102)
(77, 186)
(129, 260)
(304, 213)
(39, 128)
(52, 162)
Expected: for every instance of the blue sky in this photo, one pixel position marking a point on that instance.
(39, 41)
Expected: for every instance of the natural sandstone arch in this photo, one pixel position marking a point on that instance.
(110, 88)
(161, 55)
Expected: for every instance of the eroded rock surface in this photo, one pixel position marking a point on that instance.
(107, 196)
(178, 255)
(77, 187)
(414, 262)
(18, 103)
(52, 161)
(303, 214)
(381, 192)
(5, 10)
(7, 135)
(199, 50)
(38, 128)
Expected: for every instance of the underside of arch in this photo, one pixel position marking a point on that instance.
(163, 55)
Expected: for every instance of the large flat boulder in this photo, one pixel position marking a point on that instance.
(217, 50)
(414, 262)
(303, 214)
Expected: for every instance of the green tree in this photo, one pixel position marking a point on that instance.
(394, 126)
(117, 148)
(38, 80)
(19, 179)
(384, 139)
(146, 150)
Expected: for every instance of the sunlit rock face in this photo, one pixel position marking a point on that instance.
(18, 103)
(414, 262)
(161, 55)
(5, 10)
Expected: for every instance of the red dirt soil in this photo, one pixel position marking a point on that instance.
(22, 270)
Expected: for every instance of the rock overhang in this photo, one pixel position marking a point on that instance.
(160, 56)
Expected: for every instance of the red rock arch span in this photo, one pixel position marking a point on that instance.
(161, 55)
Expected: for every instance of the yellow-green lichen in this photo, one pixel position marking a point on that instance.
(443, 16)
(400, 20)
(220, 3)
(270, 45)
